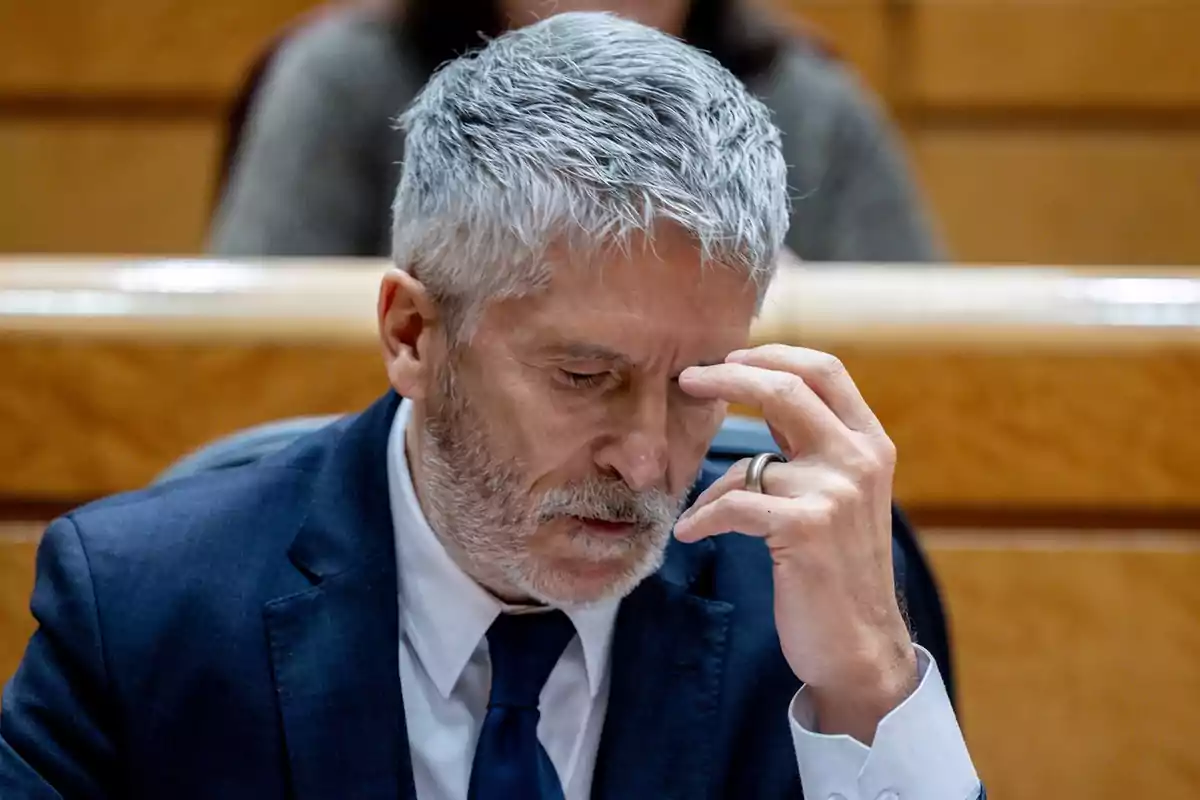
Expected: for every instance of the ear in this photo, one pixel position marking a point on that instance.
(408, 332)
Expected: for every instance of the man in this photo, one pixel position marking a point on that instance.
(473, 593)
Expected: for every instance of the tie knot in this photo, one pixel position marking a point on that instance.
(524, 649)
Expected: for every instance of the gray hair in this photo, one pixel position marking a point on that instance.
(585, 129)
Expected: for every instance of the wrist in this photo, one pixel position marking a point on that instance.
(865, 693)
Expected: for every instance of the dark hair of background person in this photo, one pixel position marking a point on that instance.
(743, 39)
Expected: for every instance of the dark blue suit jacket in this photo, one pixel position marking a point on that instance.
(234, 635)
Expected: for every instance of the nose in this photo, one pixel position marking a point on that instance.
(638, 449)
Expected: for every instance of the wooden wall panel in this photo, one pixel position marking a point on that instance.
(174, 47)
(130, 412)
(1077, 660)
(1067, 54)
(80, 418)
(134, 47)
(18, 545)
(108, 186)
(1008, 430)
(1064, 196)
(1132, 52)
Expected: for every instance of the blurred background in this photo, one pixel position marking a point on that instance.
(1046, 413)
(1042, 131)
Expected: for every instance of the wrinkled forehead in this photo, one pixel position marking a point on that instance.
(644, 300)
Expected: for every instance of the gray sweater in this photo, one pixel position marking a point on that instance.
(320, 158)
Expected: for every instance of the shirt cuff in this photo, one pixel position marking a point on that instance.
(918, 750)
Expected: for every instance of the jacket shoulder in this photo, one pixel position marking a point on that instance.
(219, 530)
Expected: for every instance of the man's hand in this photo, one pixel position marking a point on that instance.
(826, 518)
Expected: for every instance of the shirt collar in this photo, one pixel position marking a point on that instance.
(445, 613)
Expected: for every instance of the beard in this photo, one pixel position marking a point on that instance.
(523, 546)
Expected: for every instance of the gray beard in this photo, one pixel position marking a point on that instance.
(486, 520)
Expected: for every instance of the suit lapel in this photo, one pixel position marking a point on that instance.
(333, 651)
(334, 643)
(668, 659)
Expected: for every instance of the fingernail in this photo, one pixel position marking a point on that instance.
(736, 355)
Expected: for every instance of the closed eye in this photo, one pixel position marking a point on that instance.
(585, 380)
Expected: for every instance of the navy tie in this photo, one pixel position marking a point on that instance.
(510, 763)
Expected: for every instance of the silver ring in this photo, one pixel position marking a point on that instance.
(758, 465)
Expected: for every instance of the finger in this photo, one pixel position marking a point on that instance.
(823, 373)
(753, 514)
(793, 410)
(733, 478)
(779, 479)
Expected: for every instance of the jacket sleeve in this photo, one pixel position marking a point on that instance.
(56, 717)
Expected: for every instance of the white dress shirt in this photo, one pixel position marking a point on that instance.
(918, 750)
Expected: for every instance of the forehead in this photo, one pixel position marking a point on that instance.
(640, 300)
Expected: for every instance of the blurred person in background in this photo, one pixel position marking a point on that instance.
(318, 161)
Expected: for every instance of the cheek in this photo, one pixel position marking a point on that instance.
(552, 431)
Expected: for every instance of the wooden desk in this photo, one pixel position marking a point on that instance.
(1044, 417)
(1021, 389)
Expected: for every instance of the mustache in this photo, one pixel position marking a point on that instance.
(612, 501)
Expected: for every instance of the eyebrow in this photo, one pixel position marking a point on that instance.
(587, 351)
